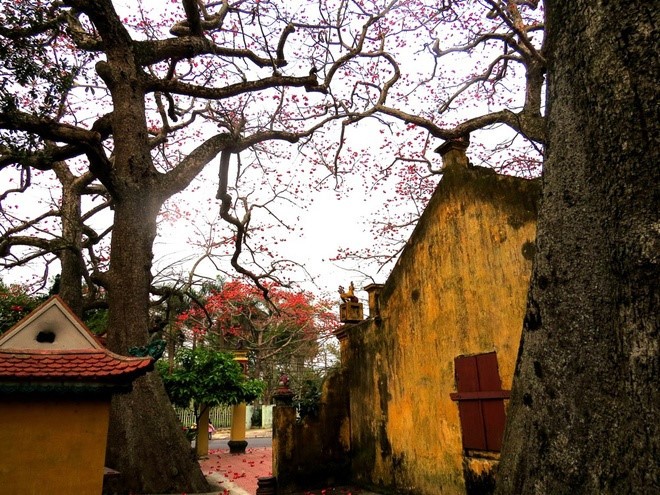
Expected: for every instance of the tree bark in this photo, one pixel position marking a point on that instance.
(583, 416)
(71, 261)
(145, 443)
(70, 257)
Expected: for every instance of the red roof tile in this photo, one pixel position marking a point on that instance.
(77, 365)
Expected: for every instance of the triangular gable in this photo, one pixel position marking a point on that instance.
(52, 326)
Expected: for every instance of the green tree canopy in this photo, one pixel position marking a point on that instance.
(208, 377)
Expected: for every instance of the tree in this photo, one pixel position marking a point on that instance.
(202, 376)
(486, 68)
(15, 304)
(584, 411)
(283, 336)
(206, 378)
(429, 35)
(67, 243)
(595, 269)
(144, 101)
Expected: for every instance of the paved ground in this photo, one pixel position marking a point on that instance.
(237, 474)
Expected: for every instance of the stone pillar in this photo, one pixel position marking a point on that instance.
(342, 336)
(374, 291)
(267, 486)
(237, 442)
(284, 420)
(350, 312)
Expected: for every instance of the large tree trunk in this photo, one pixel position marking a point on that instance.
(584, 411)
(71, 274)
(146, 443)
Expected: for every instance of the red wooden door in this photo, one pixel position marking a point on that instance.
(480, 401)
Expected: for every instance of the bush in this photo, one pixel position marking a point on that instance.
(15, 304)
(308, 400)
(256, 417)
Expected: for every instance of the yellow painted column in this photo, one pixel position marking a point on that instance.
(237, 443)
(202, 442)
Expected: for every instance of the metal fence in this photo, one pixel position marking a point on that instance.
(219, 416)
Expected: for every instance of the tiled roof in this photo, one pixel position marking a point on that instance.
(77, 365)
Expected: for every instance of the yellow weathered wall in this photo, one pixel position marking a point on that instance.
(459, 288)
(52, 446)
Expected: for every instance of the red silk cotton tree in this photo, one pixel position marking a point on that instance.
(287, 336)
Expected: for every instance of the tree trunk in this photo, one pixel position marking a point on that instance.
(71, 261)
(202, 442)
(70, 258)
(146, 443)
(583, 416)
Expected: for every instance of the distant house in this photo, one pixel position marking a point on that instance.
(56, 381)
(428, 373)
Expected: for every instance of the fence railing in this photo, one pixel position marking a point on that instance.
(220, 416)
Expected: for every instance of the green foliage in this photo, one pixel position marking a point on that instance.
(205, 376)
(289, 339)
(96, 320)
(256, 417)
(15, 304)
(30, 58)
(308, 400)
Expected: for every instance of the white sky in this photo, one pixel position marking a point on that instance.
(327, 225)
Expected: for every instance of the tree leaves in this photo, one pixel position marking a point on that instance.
(208, 377)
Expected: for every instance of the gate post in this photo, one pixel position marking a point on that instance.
(284, 421)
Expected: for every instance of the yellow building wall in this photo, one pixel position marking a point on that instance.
(459, 288)
(53, 446)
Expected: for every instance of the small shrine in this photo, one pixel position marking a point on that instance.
(350, 309)
(56, 382)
